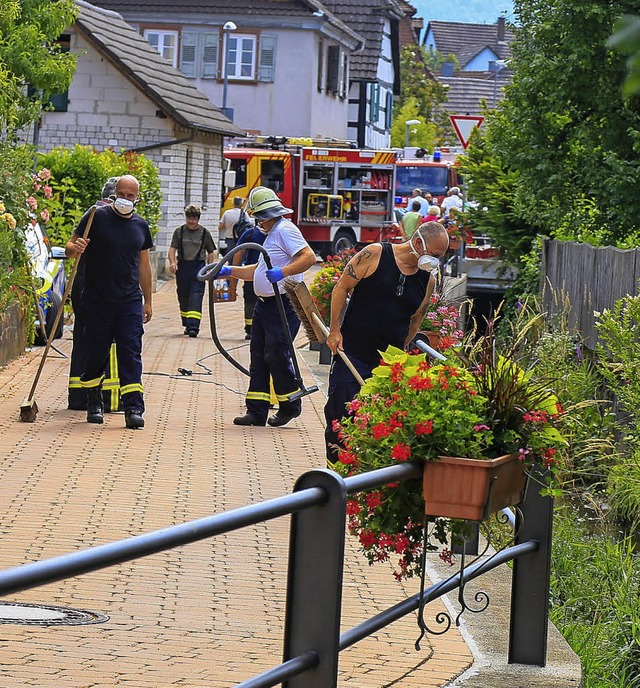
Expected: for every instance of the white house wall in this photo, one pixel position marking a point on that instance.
(290, 105)
(107, 111)
(377, 134)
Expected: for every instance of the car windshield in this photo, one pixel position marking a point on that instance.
(433, 179)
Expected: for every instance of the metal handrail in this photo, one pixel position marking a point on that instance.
(316, 556)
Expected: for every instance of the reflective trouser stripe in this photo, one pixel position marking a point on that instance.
(196, 315)
(259, 396)
(113, 382)
(135, 387)
(90, 384)
(74, 383)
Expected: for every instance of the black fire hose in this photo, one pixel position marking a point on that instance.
(210, 272)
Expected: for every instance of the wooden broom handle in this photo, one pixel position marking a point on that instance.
(341, 353)
(60, 312)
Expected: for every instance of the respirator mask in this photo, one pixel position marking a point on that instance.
(123, 206)
(429, 263)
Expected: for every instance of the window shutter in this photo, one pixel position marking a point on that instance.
(319, 81)
(389, 109)
(342, 79)
(188, 48)
(333, 68)
(210, 56)
(267, 61)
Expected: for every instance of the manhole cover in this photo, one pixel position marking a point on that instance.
(47, 615)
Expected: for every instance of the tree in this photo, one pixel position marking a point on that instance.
(564, 129)
(627, 40)
(32, 64)
(423, 97)
(423, 134)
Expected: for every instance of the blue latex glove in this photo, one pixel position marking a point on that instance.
(225, 271)
(274, 275)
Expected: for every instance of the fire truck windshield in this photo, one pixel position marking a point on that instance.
(433, 179)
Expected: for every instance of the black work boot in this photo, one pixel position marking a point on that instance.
(95, 409)
(133, 419)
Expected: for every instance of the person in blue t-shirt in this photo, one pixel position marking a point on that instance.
(117, 298)
(249, 257)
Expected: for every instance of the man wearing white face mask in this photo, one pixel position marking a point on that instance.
(390, 287)
(117, 298)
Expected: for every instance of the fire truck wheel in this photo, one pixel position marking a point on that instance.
(343, 240)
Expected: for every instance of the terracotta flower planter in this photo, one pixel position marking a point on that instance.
(472, 489)
(434, 339)
(455, 244)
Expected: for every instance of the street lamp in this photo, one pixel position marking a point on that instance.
(227, 28)
(409, 123)
(496, 66)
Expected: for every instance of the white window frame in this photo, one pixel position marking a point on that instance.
(236, 74)
(162, 36)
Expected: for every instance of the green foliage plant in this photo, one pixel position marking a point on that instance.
(30, 55)
(595, 582)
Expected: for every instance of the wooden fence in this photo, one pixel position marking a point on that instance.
(585, 279)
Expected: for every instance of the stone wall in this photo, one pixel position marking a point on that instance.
(13, 336)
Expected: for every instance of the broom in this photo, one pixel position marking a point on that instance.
(314, 326)
(29, 407)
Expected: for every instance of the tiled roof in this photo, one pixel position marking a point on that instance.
(410, 25)
(222, 10)
(366, 17)
(465, 94)
(467, 40)
(150, 72)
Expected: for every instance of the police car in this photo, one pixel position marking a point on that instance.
(47, 268)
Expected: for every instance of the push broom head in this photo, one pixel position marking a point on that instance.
(305, 309)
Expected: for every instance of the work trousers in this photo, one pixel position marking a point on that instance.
(190, 293)
(342, 389)
(77, 398)
(120, 323)
(250, 299)
(271, 357)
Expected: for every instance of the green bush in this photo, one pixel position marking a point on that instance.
(594, 592)
(77, 177)
(16, 185)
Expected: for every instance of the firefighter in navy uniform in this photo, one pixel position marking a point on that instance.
(190, 244)
(270, 356)
(117, 298)
(77, 399)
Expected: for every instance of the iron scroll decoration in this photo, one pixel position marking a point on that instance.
(443, 618)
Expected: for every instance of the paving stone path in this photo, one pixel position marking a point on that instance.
(208, 614)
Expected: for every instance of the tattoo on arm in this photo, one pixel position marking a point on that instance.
(365, 254)
(351, 272)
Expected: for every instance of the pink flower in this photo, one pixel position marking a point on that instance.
(44, 174)
(47, 190)
(45, 215)
(477, 428)
(32, 203)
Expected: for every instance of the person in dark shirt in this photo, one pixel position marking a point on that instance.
(117, 298)
(191, 243)
(249, 257)
(390, 286)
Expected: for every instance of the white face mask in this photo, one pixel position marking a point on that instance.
(430, 263)
(123, 206)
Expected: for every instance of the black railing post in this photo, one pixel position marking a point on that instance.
(314, 582)
(530, 579)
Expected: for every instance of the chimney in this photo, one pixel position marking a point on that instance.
(447, 68)
(501, 29)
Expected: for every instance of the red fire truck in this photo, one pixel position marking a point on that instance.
(436, 176)
(341, 197)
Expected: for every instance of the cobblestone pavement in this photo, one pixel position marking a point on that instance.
(207, 614)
